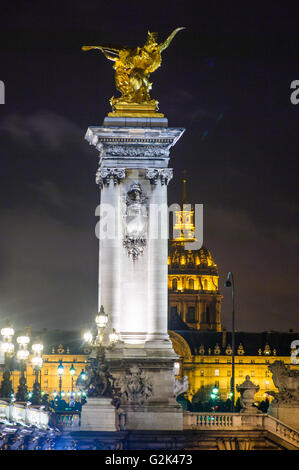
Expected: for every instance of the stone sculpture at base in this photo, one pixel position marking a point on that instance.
(285, 406)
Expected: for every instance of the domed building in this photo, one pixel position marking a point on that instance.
(193, 291)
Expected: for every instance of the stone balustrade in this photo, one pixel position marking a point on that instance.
(240, 422)
(24, 413)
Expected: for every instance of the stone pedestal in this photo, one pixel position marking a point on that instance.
(146, 377)
(99, 415)
(286, 413)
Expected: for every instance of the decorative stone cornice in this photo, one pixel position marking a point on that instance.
(104, 175)
(135, 151)
(164, 174)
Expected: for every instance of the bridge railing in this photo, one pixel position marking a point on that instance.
(240, 421)
(66, 419)
(19, 412)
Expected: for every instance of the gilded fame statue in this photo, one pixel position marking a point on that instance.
(132, 70)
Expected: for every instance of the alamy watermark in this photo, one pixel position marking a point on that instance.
(295, 351)
(152, 222)
(294, 97)
(2, 92)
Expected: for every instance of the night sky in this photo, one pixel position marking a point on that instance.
(226, 79)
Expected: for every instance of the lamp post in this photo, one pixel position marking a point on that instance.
(22, 356)
(97, 371)
(8, 348)
(60, 370)
(72, 372)
(37, 363)
(230, 283)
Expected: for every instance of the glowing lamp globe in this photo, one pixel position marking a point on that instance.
(7, 331)
(22, 354)
(87, 337)
(72, 370)
(37, 348)
(7, 347)
(113, 337)
(37, 361)
(60, 369)
(101, 318)
(23, 340)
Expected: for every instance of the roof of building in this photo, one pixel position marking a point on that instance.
(70, 342)
(250, 343)
(197, 261)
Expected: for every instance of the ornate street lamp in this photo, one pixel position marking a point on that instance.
(7, 347)
(98, 381)
(230, 283)
(37, 363)
(60, 370)
(72, 372)
(22, 356)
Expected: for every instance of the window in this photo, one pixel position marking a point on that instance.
(252, 373)
(216, 361)
(240, 361)
(201, 373)
(217, 373)
(174, 284)
(267, 373)
(208, 314)
(173, 310)
(190, 315)
(267, 384)
(240, 373)
(205, 284)
(191, 284)
(229, 373)
(252, 361)
(46, 371)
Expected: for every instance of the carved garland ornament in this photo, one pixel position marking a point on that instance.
(136, 387)
(135, 221)
(136, 151)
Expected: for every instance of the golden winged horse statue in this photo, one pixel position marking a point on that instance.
(132, 70)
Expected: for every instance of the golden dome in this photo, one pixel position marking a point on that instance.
(199, 260)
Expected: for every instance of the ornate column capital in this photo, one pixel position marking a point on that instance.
(164, 174)
(104, 175)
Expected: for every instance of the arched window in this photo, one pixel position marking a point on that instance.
(205, 284)
(191, 284)
(174, 284)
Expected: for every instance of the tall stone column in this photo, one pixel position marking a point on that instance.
(133, 176)
(158, 252)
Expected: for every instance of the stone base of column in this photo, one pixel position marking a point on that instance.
(146, 377)
(98, 414)
(153, 418)
(286, 413)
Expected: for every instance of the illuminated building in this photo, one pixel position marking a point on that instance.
(193, 291)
